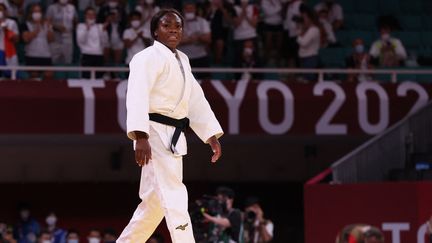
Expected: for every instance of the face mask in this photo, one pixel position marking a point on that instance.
(24, 214)
(189, 16)
(46, 241)
(51, 220)
(64, 2)
(112, 4)
(135, 24)
(93, 240)
(73, 241)
(248, 51)
(90, 21)
(385, 37)
(359, 48)
(37, 16)
(149, 2)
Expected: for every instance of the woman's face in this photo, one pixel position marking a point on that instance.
(169, 31)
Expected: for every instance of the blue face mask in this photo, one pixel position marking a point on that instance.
(359, 48)
(73, 241)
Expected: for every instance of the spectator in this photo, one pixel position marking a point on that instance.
(9, 36)
(309, 40)
(335, 12)
(272, 28)
(112, 14)
(6, 234)
(58, 234)
(373, 235)
(245, 24)
(94, 236)
(72, 236)
(429, 228)
(27, 228)
(109, 236)
(37, 34)
(196, 39)
(91, 37)
(63, 17)
(291, 46)
(257, 228)
(330, 40)
(248, 58)
(147, 8)
(156, 238)
(359, 59)
(388, 51)
(220, 17)
(231, 221)
(136, 38)
(45, 237)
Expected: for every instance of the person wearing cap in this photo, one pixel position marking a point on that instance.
(257, 228)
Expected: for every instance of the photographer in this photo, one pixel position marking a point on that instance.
(257, 228)
(230, 220)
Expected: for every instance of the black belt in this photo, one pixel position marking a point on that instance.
(179, 124)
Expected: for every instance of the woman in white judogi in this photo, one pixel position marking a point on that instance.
(161, 84)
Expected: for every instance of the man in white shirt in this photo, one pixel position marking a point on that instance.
(291, 46)
(91, 38)
(63, 17)
(335, 12)
(136, 37)
(163, 98)
(196, 39)
(388, 51)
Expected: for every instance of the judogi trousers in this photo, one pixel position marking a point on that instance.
(163, 194)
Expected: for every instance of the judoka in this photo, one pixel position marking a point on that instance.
(163, 98)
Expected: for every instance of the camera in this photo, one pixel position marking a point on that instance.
(250, 217)
(203, 232)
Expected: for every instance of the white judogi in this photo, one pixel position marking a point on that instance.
(158, 85)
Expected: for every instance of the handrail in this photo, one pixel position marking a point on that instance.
(320, 72)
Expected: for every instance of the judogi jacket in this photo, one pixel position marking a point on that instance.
(156, 85)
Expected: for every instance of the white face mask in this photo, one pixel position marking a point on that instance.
(149, 2)
(135, 24)
(73, 241)
(93, 240)
(37, 16)
(46, 241)
(51, 220)
(112, 4)
(359, 48)
(189, 16)
(385, 37)
(247, 51)
(91, 21)
(64, 2)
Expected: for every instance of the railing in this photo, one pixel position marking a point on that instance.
(390, 150)
(320, 72)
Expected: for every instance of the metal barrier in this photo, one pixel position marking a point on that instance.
(321, 72)
(390, 150)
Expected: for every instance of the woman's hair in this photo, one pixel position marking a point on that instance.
(157, 17)
(89, 9)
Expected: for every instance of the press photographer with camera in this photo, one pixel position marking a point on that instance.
(230, 220)
(257, 229)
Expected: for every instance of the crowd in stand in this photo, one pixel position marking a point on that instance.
(237, 33)
(214, 219)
